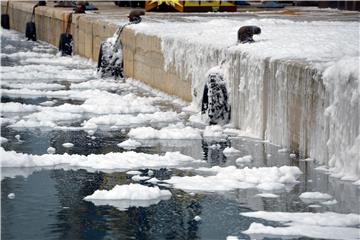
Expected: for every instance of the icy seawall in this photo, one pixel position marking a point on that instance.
(297, 85)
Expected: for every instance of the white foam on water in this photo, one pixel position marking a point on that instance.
(132, 195)
(328, 225)
(110, 161)
(230, 178)
(129, 144)
(175, 131)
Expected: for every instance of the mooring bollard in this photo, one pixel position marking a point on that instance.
(245, 33)
(66, 39)
(30, 31)
(110, 62)
(5, 20)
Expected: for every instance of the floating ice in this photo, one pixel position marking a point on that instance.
(230, 151)
(51, 150)
(270, 186)
(109, 161)
(3, 140)
(330, 202)
(68, 145)
(232, 238)
(18, 107)
(214, 131)
(283, 150)
(48, 103)
(138, 178)
(133, 172)
(197, 218)
(229, 178)
(315, 195)
(327, 225)
(267, 195)
(244, 159)
(18, 137)
(11, 195)
(177, 131)
(129, 144)
(125, 196)
(153, 180)
(131, 120)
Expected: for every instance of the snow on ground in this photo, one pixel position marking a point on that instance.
(228, 178)
(326, 225)
(110, 161)
(125, 196)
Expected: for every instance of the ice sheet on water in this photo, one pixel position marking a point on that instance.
(110, 161)
(35, 86)
(129, 144)
(315, 195)
(96, 102)
(14, 107)
(328, 225)
(125, 196)
(131, 120)
(174, 131)
(230, 178)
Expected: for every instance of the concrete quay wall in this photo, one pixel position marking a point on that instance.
(143, 59)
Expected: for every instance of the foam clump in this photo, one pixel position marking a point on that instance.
(230, 178)
(328, 225)
(130, 192)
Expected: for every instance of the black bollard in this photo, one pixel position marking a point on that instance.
(5, 20)
(30, 31)
(110, 62)
(245, 33)
(66, 39)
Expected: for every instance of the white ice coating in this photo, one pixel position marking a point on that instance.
(285, 87)
(326, 225)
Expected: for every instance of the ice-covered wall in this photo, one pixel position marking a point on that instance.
(297, 85)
